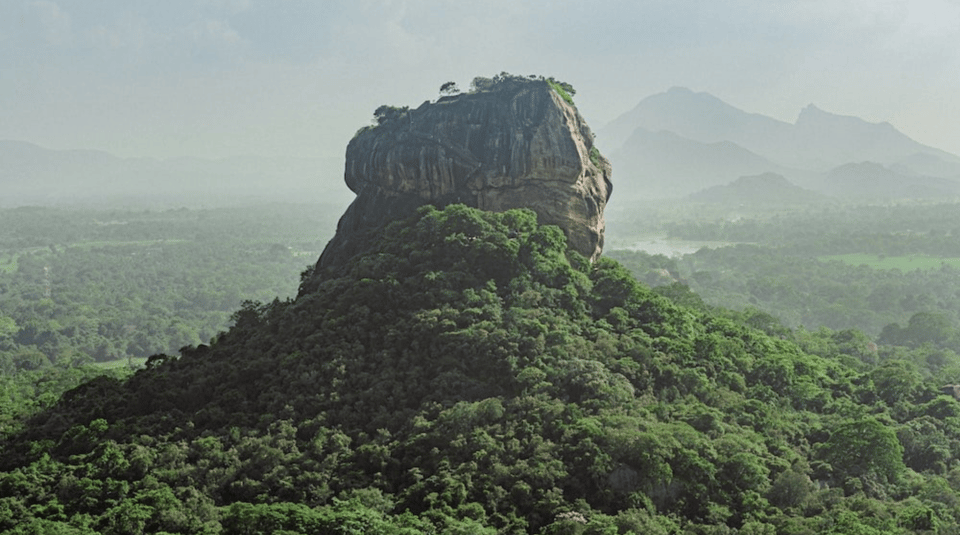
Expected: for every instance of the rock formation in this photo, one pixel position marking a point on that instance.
(515, 144)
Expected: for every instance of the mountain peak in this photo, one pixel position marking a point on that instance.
(812, 114)
(764, 189)
(679, 95)
(680, 90)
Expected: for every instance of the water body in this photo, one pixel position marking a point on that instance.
(668, 247)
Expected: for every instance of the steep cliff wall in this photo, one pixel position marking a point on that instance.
(517, 145)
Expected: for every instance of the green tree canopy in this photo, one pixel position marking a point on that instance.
(859, 447)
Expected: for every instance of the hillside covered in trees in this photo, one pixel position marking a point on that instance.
(470, 374)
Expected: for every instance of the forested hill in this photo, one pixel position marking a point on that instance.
(470, 374)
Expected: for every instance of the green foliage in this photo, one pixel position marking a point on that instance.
(790, 489)
(505, 80)
(789, 268)
(595, 156)
(902, 263)
(102, 285)
(923, 328)
(469, 374)
(390, 114)
(563, 89)
(480, 84)
(27, 392)
(499, 82)
(861, 447)
(449, 88)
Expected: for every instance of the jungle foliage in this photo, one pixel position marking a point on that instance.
(797, 266)
(469, 374)
(84, 285)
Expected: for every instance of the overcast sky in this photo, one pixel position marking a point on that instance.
(217, 78)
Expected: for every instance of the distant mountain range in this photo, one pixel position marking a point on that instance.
(672, 144)
(30, 174)
(873, 181)
(674, 165)
(766, 189)
(678, 142)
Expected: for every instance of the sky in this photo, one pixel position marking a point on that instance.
(296, 78)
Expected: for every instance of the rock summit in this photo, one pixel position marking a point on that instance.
(511, 142)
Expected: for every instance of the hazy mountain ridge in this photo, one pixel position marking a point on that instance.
(697, 116)
(671, 144)
(874, 181)
(31, 174)
(766, 188)
(838, 139)
(674, 165)
(804, 151)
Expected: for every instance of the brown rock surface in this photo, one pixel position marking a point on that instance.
(516, 145)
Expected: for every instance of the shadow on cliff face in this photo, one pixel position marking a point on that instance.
(514, 143)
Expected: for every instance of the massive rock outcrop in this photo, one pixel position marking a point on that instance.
(515, 144)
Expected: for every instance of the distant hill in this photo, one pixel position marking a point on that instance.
(34, 175)
(816, 143)
(672, 165)
(697, 116)
(758, 190)
(929, 165)
(871, 180)
(828, 139)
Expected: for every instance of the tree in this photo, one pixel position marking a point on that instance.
(896, 381)
(858, 447)
(565, 90)
(29, 358)
(386, 113)
(790, 489)
(8, 327)
(928, 327)
(562, 85)
(449, 88)
(481, 83)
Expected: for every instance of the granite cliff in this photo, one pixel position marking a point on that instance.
(515, 143)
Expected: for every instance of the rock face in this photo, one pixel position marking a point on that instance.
(517, 144)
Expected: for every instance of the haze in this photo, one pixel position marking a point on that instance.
(217, 78)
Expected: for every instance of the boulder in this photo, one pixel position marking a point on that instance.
(515, 144)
